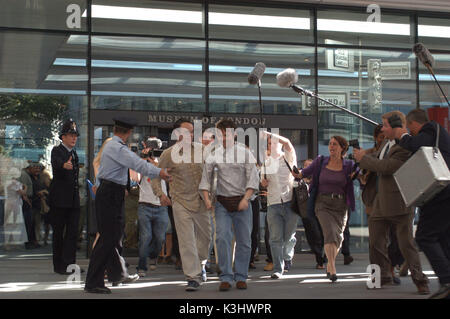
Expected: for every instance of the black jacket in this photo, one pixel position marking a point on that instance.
(427, 137)
(64, 190)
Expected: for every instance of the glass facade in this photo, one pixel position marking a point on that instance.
(61, 59)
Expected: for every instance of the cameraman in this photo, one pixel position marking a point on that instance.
(153, 218)
(433, 229)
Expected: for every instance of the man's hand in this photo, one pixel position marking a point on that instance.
(165, 201)
(68, 165)
(243, 204)
(264, 182)
(358, 154)
(399, 131)
(164, 174)
(94, 189)
(208, 204)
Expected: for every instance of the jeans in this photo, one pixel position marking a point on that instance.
(282, 226)
(241, 223)
(153, 223)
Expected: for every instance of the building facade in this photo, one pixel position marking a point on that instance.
(159, 60)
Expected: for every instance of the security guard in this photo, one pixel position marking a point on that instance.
(112, 177)
(64, 198)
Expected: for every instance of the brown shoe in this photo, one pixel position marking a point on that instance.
(423, 289)
(403, 272)
(268, 267)
(224, 286)
(241, 285)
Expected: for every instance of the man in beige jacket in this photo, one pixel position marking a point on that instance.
(389, 207)
(192, 219)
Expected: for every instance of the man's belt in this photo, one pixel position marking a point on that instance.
(109, 183)
(149, 205)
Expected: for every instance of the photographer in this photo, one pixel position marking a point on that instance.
(389, 208)
(153, 218)
(433, 229)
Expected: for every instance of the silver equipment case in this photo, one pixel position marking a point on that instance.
(422, 176)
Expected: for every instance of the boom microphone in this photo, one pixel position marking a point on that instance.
(287, 78)
(255, 76)
(423, 54)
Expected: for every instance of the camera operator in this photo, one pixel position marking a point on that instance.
(389, 208)
(433, 229)
(153, 217)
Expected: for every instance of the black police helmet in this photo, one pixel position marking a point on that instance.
(69, 127)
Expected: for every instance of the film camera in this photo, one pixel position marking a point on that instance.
(156, 146)
(354, 144)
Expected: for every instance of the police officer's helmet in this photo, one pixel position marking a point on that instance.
(69, 127)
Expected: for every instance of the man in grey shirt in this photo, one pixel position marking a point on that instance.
(236, 182)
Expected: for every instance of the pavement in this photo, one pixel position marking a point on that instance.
(26, 275)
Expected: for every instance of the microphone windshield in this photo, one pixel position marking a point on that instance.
(423, 54)
(256, 73)
(287, 78)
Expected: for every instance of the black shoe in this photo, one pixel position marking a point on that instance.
(251, 266)
(328, 275)
(442, 293)
(192, 285)
(348, 260)
(126, 280)
(98, 290)
(333, 278)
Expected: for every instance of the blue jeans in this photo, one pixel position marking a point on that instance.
(152, 232)
(241, 223)
(282, 226)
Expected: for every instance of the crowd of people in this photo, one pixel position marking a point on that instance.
(213, 206)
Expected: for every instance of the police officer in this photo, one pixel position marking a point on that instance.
(64, 198)
(112, 178)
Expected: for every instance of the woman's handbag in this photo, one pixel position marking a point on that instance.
(300, 193)
(313, 193)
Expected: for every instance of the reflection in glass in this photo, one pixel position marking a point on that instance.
(147, 74)
(231, 64)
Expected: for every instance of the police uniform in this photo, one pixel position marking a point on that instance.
(64, 202)
(112, 178)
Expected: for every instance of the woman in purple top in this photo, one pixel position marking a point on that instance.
(333, 181)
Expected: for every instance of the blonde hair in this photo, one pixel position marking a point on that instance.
(96, 162)
(398, 113)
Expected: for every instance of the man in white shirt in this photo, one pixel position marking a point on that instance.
(282, 221)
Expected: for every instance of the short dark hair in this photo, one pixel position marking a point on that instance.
(342, 143)
(417, 115)
(224, 124)
(121, 130)
(180, 121)
(377, 130)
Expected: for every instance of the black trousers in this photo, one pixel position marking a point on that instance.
(64, 222)
(255, 228)
(345, 250)
(314, 236)
(106, 254)
(433, 237)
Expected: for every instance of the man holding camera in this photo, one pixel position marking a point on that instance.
(433, 229)
(389, 207)
(153, 218)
